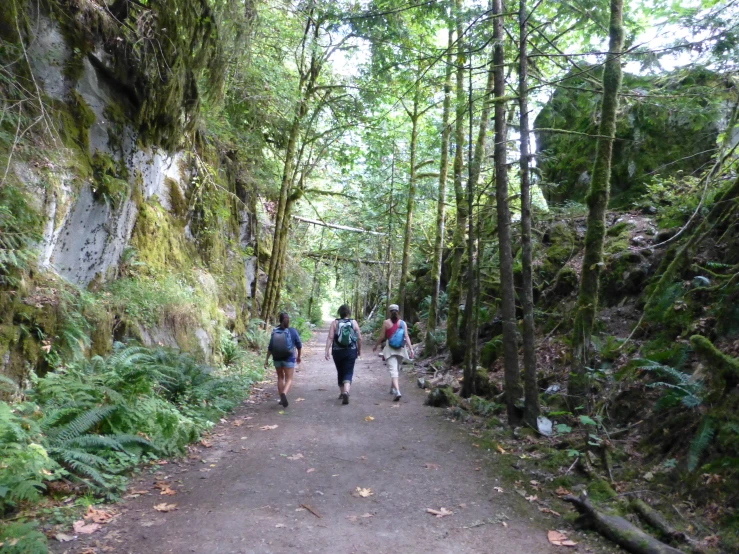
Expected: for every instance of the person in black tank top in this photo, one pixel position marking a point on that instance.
(344, 344)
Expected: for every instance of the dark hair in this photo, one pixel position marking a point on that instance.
(282, 316)
(344, 311)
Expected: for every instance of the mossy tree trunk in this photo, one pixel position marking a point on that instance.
(389, 249)
(587, 300)
(431, 345)
(454, 288)
(512, 375)
(531, 392)
(414, 117)
(309, 70)
(470, 367)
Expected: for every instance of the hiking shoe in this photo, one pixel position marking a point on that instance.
(283, 400)
(345, 398)
(398, 396)
(392, 390)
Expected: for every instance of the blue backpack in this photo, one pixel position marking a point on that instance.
(396, 341)
(281, 343)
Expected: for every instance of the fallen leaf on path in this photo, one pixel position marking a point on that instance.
(280, 525)
(548, 511)
(369, 418)
(311, 470)
(238, 423)
(431, 466)
(138, 492)
(504, 524)
(299, 399)
(297, 456)
(164, 507)
(61, 537)
(498, 489)
(532, 498)
(364, 493)
(534, 483)
(559, 539)
(268, 427)
(281, 412)
(97, 516)
(161, 462)
(85, 528)
(165, 489)
(561, 491)
(475, 445)
(355, 518)
(499, 448)
(441, 512)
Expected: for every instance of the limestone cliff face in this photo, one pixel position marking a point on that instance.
(117, 209)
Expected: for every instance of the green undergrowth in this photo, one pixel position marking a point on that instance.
(86, 426)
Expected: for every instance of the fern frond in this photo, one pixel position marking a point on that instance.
(701, 442)
(82, 423)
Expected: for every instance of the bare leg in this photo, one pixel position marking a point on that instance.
(288, 379)
(396, 385)
(346, 387)
(280, 380)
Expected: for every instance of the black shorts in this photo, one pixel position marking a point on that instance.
(344, 359)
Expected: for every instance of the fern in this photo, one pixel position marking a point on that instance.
(22, 538)
(701, 441)
(680, 387)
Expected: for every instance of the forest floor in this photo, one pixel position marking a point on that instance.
(269, 480)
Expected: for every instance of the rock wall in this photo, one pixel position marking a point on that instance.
(107, 198)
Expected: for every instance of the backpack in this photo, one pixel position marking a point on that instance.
(396, 341)
(281, 343)
(345, 336)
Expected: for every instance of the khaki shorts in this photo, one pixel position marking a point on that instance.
(393, 364)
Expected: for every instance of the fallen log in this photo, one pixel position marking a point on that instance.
(618, 529)
(652, 517)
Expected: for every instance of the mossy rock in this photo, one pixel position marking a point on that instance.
(442, 397)
(600, 491)
(159, 241)
(111, 184)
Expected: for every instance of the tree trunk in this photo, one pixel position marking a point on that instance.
(431, 345)
(314, 284)
(411, 199)
(269, 295)
(531, 392)
(587, 300)
(389, 252)
(454, 288)
(512, 377)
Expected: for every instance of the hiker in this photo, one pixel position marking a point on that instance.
(282, 345)
(395, 332)
(345, 343)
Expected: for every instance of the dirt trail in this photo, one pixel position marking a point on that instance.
(244, 494)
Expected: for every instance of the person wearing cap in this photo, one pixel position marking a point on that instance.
(394, 356)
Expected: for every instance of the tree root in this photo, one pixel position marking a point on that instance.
(619, 530)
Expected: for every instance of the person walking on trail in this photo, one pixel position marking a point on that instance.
(344, 341)
(395, 332)
(282, 345)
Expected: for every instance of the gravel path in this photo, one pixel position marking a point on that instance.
(245, 493)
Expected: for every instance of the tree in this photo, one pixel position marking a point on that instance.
(431, 345)
(531, 410)
(454, 287)
(587, 300)
(512, 376)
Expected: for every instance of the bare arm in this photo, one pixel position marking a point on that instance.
(382, 334)
(408, 340)
(266, 360)
(329, 339)
(358, 331)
